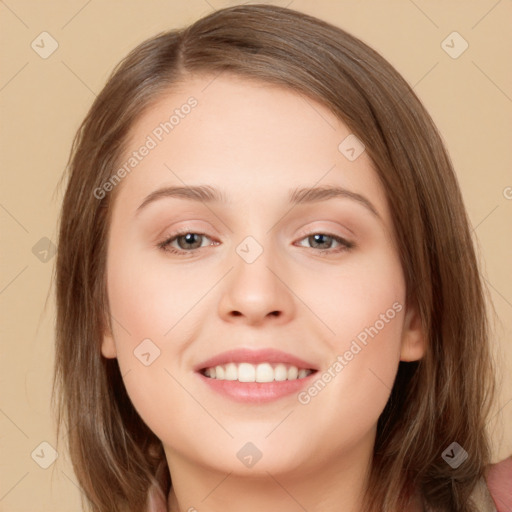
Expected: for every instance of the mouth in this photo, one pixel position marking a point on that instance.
(246, 375)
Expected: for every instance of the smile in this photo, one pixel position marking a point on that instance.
(263, 372)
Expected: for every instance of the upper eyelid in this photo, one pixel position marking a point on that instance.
(304, 232)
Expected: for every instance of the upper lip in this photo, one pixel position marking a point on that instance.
(245, 355)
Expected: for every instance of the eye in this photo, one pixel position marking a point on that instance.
(187, 241)
(321, 239)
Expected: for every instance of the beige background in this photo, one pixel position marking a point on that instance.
(42, 102)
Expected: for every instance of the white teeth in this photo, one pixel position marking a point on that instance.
(246, 372)
(292, 372)
(280, 372)
(219, 372)
(231, 372)
(263, 372)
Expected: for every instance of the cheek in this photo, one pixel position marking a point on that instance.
(150, 299)
(364, 309)
(363, 300)
(149, 340)
(152, 305)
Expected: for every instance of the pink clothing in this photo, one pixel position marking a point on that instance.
(494, 494)
(499, 482)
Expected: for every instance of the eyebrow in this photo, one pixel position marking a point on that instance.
(299, 195)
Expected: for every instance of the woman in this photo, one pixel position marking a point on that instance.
(258, 372)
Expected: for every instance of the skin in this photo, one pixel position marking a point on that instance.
(255, 141)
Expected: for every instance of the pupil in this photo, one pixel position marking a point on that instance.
(189, 239)
(318, 238)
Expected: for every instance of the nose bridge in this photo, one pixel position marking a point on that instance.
(253, 263)
(255, 286)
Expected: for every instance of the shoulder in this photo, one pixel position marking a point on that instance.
(499, 482)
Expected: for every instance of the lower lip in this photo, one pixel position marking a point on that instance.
(259, 392)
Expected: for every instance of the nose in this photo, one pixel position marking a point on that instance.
(258, 292)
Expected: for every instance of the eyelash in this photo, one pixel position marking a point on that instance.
(165, 245)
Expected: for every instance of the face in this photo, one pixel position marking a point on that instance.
(297, 284)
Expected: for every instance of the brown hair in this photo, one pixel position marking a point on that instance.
(444, 397)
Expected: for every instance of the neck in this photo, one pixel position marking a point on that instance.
(334, 484)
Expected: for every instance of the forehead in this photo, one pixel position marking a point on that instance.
(246, 138)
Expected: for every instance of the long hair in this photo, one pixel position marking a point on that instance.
(443, 398)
